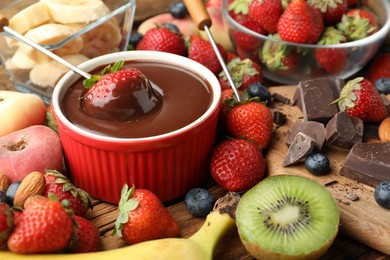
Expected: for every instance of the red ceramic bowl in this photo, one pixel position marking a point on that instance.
(168, 164)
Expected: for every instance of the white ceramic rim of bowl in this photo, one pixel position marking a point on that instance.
(380, 34)
(70, 77)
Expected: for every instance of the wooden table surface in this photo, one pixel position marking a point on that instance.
(342, 248)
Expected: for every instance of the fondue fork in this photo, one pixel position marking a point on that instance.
(202, 19)
(8, 31)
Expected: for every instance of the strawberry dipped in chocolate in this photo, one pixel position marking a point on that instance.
(120, 94)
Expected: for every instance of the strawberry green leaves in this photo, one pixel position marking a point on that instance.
(88, 83)
(125, 205)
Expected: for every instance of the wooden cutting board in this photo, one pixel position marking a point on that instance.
(364, 220)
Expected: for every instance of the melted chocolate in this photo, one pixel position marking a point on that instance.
(185, 97)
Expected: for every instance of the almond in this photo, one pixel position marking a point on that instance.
(32, 184)
(384, 130)
(4, 182)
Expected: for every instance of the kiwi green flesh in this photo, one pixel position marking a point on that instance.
(288, 215)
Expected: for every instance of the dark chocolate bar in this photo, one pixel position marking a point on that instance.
(302, 146)
(368, 163)
(344, 131)
(314, 96)
(313, 129)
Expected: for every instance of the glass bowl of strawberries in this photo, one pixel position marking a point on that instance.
(298, 40)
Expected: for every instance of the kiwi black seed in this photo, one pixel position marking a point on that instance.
(287, 217)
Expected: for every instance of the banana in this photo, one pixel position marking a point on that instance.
(198, 247)
(51, 33)
(47, 74)
(21, 61)
(102, 39)
(76, 11)
(30, 17)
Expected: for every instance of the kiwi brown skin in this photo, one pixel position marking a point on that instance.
(260, 252)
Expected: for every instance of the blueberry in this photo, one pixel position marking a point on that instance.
(317, 164)
(171, 27)
(199, 202)
(3, 196)
(178, 10)
(383, 85)
(11, 192)
(382, 194)
(135, 38)
(256, 89)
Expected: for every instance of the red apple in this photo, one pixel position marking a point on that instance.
(185, 25)
(34, 148)
(20, 110)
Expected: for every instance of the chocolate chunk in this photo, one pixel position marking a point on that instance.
(368, 163)
(344, 131)
(302, 146)
(313, 129)
(280, 98)
(279, 118)
(314, 96)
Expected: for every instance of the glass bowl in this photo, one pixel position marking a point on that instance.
(359, 52)
(33, 72)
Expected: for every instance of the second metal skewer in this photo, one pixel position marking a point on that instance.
(202, 19)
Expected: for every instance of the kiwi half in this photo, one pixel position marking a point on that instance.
(287, 217)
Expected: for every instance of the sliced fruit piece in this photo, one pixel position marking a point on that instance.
(30, 17)
(76, 11)
(287, 217)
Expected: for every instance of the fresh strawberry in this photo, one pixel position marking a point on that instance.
(331, 10)
(44, 227)
(227, 99)
(237, 165)
(202, 51)
(243, 72)
(6, 223)
(358, 24)
(244, 40)
(56, 183)
(279, 56)
(17, 212)
(230, 56)
(332, 60)
(379, 67)
(359, 98)
(300, 23)
(143, 217)
(87, 237)
(251, 120)
(265, 12)
(162, 39)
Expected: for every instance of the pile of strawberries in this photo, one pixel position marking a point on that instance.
(302, 22)
(52, 221)
(55, 221)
